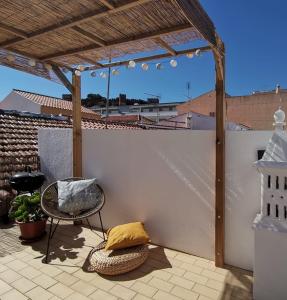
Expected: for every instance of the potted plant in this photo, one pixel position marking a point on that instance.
(26, 211)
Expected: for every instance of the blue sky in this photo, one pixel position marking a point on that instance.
(254, 33)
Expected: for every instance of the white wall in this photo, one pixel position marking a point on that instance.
(16, 102)
(242, 194)
(166, 179)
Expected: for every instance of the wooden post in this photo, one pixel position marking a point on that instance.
(220, 161)
(77, 129)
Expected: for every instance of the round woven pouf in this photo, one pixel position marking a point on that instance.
(115, 262)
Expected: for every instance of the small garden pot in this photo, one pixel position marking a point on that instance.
(32, 230)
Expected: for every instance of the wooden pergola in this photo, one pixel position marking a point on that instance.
(45, 37)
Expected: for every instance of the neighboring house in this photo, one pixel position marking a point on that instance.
(42, 104)
(129, 119)
(19, 141)
(154, 112)
(196, 121)
(255, 110)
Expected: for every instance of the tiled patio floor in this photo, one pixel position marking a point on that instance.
(167, 274)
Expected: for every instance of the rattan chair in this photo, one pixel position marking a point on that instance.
(49, 204)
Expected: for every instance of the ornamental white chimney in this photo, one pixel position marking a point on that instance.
(270, 225)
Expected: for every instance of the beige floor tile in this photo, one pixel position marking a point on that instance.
(102, 283)
(50, 270)
(192, 268)
(13, 295)
(55, 298)
(144, 289)
(66, 279)
(160, 284)
(35, 263)
(85, 276)
(122, 292)
(4, 287)
(217, 285)
(29, 272)
(5, 259)
(83, 287)
(161, 274)
(16, 265)
(102, 295)
(68, 268)
(176, 271)
(3, 268)
(195, 277)
(185, 258)
(23, 285)
(184, 293)
(204, 264)
(44, 281)
(204, 298)
(141, 297)
(206, 291)
(213, 275)
(9, 276)
(38, 293)
(20, 254)
(77, 296)
(160, 295)
(179, 281)
(60, 290)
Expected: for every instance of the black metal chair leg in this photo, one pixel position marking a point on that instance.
(48, 243)
(102, 225)
(56, 226)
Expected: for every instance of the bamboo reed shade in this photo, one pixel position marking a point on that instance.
(89, 31)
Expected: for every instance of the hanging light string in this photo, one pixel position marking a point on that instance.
(115, 71)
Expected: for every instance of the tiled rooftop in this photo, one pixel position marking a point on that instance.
(166, 275)
(49, 101)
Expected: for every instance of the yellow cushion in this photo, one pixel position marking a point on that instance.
(126, 235)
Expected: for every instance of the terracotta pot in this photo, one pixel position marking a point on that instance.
(32, 230)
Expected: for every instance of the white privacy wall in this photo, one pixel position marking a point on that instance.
(166, 179)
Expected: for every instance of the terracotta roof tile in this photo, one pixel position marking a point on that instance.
(50, 101)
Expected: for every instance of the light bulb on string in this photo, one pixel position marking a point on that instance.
(48, 67)
(173, 63)
(159, 66)
(78, 72)
(189, 55)
(81, 68)
(197, 52)
(103, 75)
(144, 66)
(32, 62)
(93, 74)
(11, 58)
(132, 64)
(115, 72)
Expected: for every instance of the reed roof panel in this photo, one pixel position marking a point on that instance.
(85, 31)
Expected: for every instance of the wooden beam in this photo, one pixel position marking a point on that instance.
(91, 61)
(149, 58)
(77, 128)
(10, 29)
(107, 4)
(92, 15)
(89, 36)
(165, 45)
(220, 162)
(62, 78)
(141, 37)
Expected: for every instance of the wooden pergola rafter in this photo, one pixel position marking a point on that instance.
(67, 34)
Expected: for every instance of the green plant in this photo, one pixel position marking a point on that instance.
(25, 208)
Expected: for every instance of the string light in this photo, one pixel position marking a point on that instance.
(197, 52)
(173, 63)
(78, 72)
(145, 66)
(81, 68)
(132, 64)
(11, 58)
(103, 75)
(189, 55)
(48, 67)
(32, 62)
(115, 72)
(93, 74)
(159, 66)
